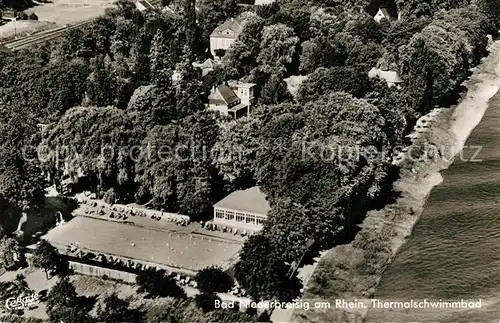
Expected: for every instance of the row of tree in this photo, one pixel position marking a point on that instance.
(324, 162)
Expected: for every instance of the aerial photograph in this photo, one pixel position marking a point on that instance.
(279, 161)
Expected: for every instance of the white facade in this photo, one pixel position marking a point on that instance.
(221, 43)
(238, 219)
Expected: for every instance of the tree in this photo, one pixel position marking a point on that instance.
(45, 256)
(9, 252)
(157, 283)
(213, 279)
(262, 272)
(437, 60)
(206, 301)
(275, 91)
(21, 179)
(63, 294)
(277, 48)
(235, 152)
(117, 310)
(335, 79)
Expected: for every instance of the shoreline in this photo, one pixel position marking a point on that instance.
(353, 271)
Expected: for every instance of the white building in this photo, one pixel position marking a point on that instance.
(224, 35)
(234, 99)
(209, 65)
(391, 77)
(245, 209)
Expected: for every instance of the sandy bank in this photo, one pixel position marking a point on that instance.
(353, 271)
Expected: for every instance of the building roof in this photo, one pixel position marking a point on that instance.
(234, 24)
(388, 76)
(238, 107)
(384, 12)
(251, 200)
(263, 2)
(244, 85)
(228, 95)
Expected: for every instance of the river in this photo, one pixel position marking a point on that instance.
(454, 250)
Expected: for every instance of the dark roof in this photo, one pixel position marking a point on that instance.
(227, 94)
(233, 24)
(251, 200)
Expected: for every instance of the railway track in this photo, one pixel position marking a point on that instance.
(21, 43)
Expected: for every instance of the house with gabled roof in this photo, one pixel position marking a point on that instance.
(224, 35)
(233, 99)
(383, 13)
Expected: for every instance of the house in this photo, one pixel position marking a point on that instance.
(206, 67)
(234, 99)
(224, 35)
(143, 5)
(381, 14)
(391, 77)
(263, 2)
(245, 209)
(8, 15)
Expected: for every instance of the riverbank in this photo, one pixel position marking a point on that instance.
(353, 271)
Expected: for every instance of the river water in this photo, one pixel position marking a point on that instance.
(454, 251)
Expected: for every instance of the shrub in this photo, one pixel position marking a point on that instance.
(157, 283)
(213, 279)
(110, 196)
(33, 16)
(206, 301)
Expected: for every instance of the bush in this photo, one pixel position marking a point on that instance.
(157, 283)
(110, 196)
(206, 301)
(213, 279)
(33, 16)
(22, 16)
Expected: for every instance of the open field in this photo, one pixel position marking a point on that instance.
(64, 12)
(23, 28)
(177, 249)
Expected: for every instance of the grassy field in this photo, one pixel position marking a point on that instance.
(70, 11)
(177, 249)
